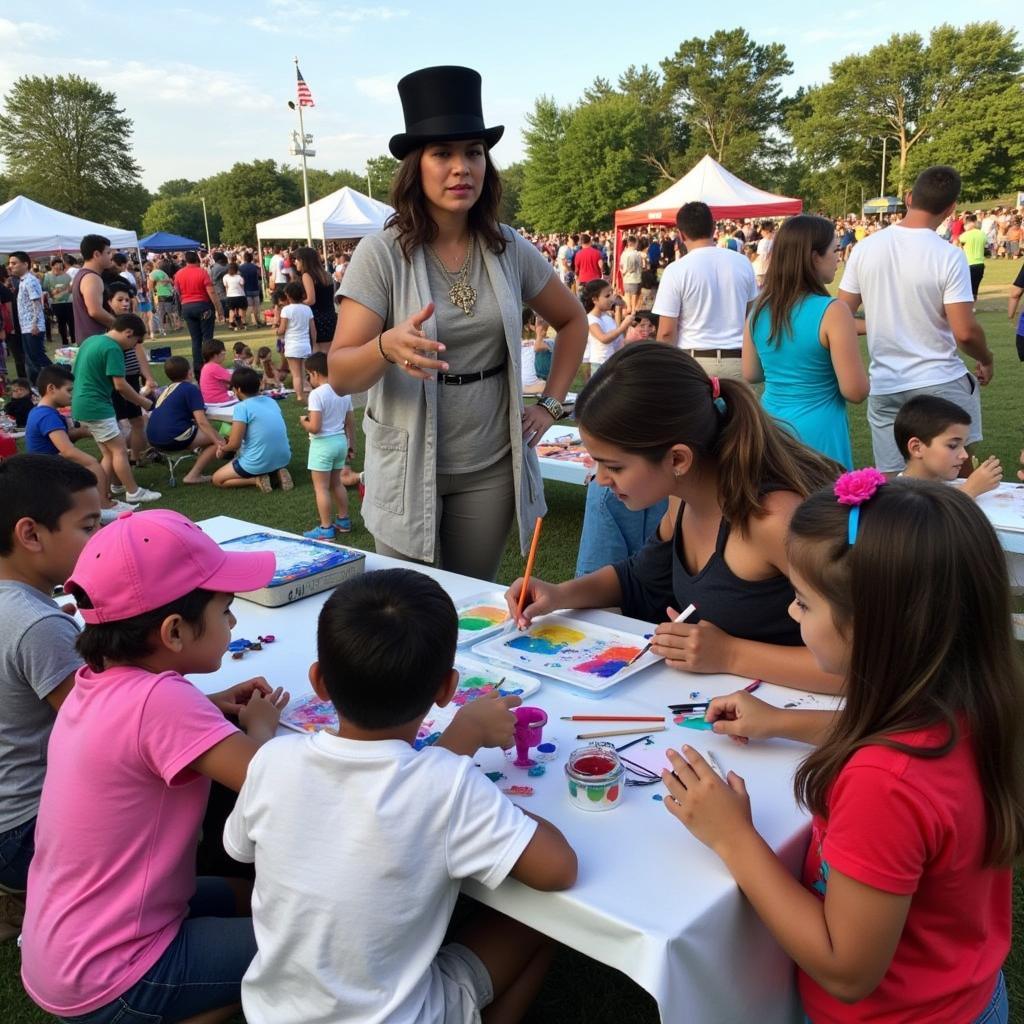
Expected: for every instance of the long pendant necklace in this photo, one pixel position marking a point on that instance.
(460, 292)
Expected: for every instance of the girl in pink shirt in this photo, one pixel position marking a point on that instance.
(915, 786)
(215, 377)
(117, 925)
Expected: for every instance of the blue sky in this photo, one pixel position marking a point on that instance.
(207, 84)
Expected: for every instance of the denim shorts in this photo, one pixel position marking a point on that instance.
(17, 847)
(327, 453)
(200, 970)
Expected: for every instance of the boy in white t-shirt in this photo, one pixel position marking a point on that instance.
(331, 428)
(360, 842)
(296, 329)
(918, 308)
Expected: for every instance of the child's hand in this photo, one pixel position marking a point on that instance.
(485, 722)
(260, 716)
(713, 810)
(234, 698)
(742, 716)
(541, 598)
(985, 478)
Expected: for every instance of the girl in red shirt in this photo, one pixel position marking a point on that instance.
(916, 786)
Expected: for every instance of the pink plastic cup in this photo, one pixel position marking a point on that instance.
(529, 731)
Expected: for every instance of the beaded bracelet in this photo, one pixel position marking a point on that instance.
(380, 348)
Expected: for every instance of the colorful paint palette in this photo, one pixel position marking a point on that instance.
(481, 615)
(583, 654)
(476, 679)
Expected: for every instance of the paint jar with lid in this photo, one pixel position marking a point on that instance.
(595, 777)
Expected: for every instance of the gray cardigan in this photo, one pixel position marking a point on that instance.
(400, 506)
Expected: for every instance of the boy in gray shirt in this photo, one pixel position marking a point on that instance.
(50, 508)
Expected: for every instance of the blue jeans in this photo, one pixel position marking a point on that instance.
(200, 970)
(34, 347)
(611, 532)
(17, 848)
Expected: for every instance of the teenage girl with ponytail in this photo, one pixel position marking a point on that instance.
(658, 427)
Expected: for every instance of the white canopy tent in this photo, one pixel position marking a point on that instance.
(36, 229)
(342, 214)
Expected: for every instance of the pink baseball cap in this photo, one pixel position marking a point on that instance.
(144, 560)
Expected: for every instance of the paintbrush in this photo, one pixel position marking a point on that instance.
(681, 617)
(620, 732)
(514, 623)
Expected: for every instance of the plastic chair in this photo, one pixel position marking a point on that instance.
(174, 459)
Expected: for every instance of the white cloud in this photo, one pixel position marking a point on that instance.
(19, 33)
(383, 88)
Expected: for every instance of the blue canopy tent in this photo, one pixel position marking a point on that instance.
(161, 241)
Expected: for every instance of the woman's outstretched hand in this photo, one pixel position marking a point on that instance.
(410, 349)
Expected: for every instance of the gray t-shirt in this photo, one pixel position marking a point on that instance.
(37, 653)
(472, 419)
(217, 272)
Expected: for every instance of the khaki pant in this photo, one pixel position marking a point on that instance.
(716, 366)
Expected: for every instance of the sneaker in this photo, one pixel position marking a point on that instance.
(343, 524)
(12, 911)
(320, 533)
(143, 494)
(286, 479)
(123, 506)
(263, 483)
(117, 488)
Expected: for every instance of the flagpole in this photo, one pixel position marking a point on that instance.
(305, 179)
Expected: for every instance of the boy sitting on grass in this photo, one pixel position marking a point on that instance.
(258, 436)
(931, 434)
(50, 508)
(178, 422)
(394, 833)
(20, 403)
(332, 431)
(48, 433)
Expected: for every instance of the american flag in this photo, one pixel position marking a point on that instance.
(305, 96)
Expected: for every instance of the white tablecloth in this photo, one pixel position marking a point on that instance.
(650, 900)
(560, 469)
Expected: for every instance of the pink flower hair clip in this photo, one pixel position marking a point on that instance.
(854, 489)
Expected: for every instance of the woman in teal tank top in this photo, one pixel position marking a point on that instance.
(803, 343)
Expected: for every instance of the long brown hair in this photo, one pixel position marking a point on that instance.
(648, 397)
(924, 598)
(414, 223)
(312, 264)
(791, 275)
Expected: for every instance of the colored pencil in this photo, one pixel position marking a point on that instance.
(681, 617)
(529, 568)
(753, 686)
(613, 718)
(619, 732)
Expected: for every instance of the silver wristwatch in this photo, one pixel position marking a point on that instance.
(552, 405)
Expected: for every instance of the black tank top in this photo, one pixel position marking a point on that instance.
(656, 576)
(325, 316)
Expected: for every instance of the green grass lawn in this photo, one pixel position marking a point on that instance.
(577, 989)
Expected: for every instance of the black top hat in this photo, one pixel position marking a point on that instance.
(441, 103)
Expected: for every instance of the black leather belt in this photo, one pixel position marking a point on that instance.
(469, 378)
(714, 353)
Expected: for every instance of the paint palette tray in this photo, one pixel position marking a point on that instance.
(589, 657)
(304, 567)
(476, 679)
(481, 615)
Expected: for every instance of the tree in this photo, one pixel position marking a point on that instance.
(542, 199)
(180, 215)
(248, 193)
(68, 144)
(912, 95)
(175, 187)
(381, 170)
(511, 194)
(728, 89)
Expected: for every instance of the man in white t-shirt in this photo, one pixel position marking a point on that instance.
(703, 299)
(764, 251)
(918, 307)
(277, 272)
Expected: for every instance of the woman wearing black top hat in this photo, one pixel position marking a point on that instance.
(430, 324)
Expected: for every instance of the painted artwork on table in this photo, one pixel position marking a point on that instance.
(296, 557)
(587, 655)
(481, 615)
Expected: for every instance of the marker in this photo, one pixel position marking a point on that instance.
(681, 617)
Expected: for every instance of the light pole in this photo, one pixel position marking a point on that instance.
(885, 142)
(299, 148)
(206, 223)
(369, 186)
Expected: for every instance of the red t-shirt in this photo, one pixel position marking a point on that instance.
(915, 825)
(587, 264)
(192, 282)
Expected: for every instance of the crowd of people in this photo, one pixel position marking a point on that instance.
(798, 569)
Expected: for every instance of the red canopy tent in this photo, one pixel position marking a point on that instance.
(709, 182)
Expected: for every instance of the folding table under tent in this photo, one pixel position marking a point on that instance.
(346, 213)
(707, 182)
(163, 241)
(36, 229)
